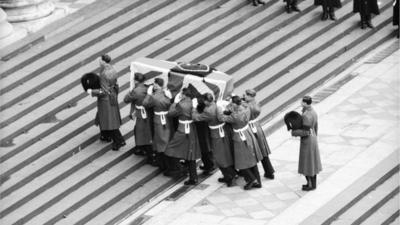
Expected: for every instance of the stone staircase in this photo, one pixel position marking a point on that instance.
(373, 199)
(53, 168)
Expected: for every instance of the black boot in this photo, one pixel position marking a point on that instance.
(294, 6)
(332, 13)
(192, 173)
(363, 24)
(261, 2)
(308, 186)
(324, 13)
(368, 21)
(314, 182)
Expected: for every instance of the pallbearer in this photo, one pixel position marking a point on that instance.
(255, 127)
(142, 130)
(108, 116)
(160, 100)
(246, 150)
(220, 143)
(185, 143)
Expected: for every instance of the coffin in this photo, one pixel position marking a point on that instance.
(198, 77)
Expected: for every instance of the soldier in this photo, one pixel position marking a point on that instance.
(185, 143)
(220, 143)
(255, 127)
(245, 147)
(365, 8)
(309, 159)
(108, 116)
(160, 101)
(328, 8)
(142, 130)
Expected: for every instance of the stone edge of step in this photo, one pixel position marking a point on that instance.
(53, 28)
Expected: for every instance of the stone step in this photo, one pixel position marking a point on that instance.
(56, 166)
(374, 191)
(59, 155)
(357, 213)
(383, 214)
(42, 49)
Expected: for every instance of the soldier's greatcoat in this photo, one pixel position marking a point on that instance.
(220, 142)
(108, 116)
(256, 128)
(309, 159)
(371, 7)
(185, 143)
(161, 122)
(245, 147)
(142, 130)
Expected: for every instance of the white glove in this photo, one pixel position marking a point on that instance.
(177, 98)
(194, 102)
(89, 91)
(150, 90)
(167, 93)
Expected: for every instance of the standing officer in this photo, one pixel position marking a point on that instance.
(220, 145)
(245, 147)
(328, 8)
(185, 143)
(142, 130)
(108, 116)
(365, 8)
(160, 101)
(309, 159)
(255, 127)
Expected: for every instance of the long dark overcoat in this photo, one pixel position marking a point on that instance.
(183, 145)
(142, 130)
(372, 6)
(396, 14)
(309, 158)
(161, 122)
(329, 3)
(246, 152)
(108, 116)
(256, 128)
(220, 143)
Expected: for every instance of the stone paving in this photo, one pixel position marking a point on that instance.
(347, 129)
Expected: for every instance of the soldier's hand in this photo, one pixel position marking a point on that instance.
(150, 90)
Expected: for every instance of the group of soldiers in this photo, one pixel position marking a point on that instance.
(174, 133)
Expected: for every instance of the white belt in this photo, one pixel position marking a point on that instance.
(162, 116)
(142, 111)
(240, 132)
(253, 125)
(220, 128)
(187, 125)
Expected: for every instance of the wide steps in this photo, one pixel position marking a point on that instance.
(54, 169)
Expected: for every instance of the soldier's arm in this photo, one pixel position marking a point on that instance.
(98, 93)
(148, 101)
(306, 128)
(174, 110)
(206, 115)
(257, 110)
(130, 97)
